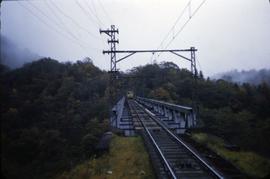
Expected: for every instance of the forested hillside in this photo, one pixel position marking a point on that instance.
(238, 113)
(53, 113)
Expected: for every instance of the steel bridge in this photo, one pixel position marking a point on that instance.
(175, 117)
(160, 123)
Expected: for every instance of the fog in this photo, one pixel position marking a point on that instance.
(229, 34)
(255, 77)
(13, 56)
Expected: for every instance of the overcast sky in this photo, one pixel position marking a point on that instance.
(229, 34)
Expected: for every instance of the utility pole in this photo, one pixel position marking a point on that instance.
(111, 33)
(114, 87)
(112, 41)
(113, 83)
(194, 95)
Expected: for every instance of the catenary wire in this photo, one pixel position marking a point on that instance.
(86, 13)
(52, 28)
(73, 21)
(185, 24)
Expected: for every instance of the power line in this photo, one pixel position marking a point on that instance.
(65, 27)
(73, 21)
(95, 12)
(59, 26)
(175, 23)
(173, 26)
(52, 28)
(105, 12)
(191, 15)
(48, 17)
(86, 12)
(43, 21)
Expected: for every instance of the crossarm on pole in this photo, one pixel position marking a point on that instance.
(125, 57)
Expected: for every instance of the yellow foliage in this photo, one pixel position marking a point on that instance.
(160, 94)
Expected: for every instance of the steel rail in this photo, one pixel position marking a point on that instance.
(187, 147)
(157, 147)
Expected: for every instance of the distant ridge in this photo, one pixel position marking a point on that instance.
(13, 56)
(253, 76)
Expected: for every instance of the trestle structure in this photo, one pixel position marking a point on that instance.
(176, 117)
(121, 118)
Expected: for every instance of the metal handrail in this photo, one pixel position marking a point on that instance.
(165, 103)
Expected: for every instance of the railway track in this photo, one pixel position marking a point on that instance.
(171, 157)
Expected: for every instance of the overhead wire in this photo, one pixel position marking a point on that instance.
(95, 13)
(172, 28)
(86, 12)
(52, 28)
(175, 23)
(55, 21)
(66, 28)
(90, 13)
(191, 15)
(60, 27)
(105, 12)
(74, 21)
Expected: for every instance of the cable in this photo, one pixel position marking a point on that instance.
(190, 17)
(95, 13)
(51, 19)
(43, 21)
(175, 23)
(52, 28)
(86, 12)
(60, 20)
(59, 26)
(65, 27)
(73, 21)
(172, 28)
(182, 27)
(98, 20)
(105, 12)
(178, 32)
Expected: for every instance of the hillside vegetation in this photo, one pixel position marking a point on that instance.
(238, 113)
(52, 117)
(52, 114)
(250, 163)
(127, 158)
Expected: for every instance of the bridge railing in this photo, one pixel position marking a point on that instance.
(176, 117)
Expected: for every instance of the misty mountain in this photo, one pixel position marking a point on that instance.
(13, 56)
(255, 77)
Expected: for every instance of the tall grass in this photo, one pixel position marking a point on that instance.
(248, 162)
(127, 158)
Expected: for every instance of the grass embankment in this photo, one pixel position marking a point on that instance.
(127, 159)
(250, 163)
